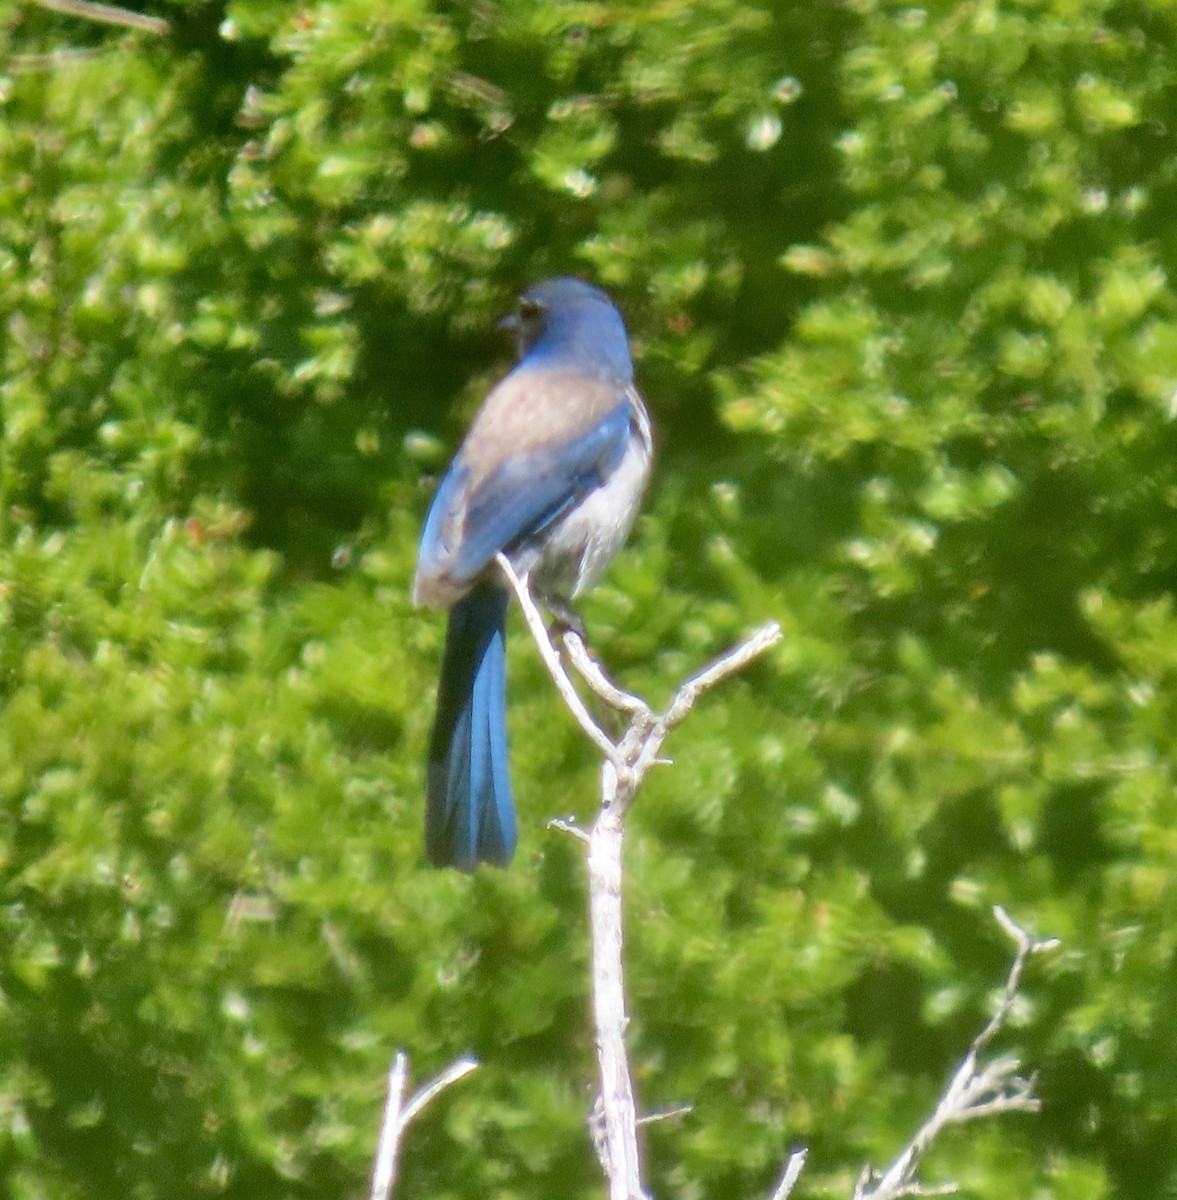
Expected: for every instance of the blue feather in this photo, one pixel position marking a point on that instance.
(524, 496)
(470, 814)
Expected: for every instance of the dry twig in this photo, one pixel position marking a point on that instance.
(108, 14)
(398, 1116)
(614, 1120)
(975, 1090)
(792, 1173)
(53, 60)
(564, 685)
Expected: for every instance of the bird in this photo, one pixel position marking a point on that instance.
(551, 474)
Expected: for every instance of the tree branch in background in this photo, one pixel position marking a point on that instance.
(975, 1089)
(108, 14)
(398, 1116)
(53, 60)
(613, 1122)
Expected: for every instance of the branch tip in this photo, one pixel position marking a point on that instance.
(108, 14)
(792, 1172)
(666, 1114)
(569, 826)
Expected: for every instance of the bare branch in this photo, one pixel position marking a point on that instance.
(613, 1122)
(666, 1114)
(620, 1142)
(735, 660)
(547, 651)
(919, 1189)
(973, 1092)
(591, 672)
(792, 1173)
(570, 827)
(426, 1095)
(54, 60)
(391, 1129)
(727, 664)
(398, 1116)
(1025, 947)
(108, 14)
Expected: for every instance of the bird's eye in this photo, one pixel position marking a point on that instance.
(530, 310)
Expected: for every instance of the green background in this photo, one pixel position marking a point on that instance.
(899, 286)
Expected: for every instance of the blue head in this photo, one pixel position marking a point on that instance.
(564, 322)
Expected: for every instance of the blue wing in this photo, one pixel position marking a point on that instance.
(476, 514)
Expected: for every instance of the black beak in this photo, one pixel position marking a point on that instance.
(510, 322)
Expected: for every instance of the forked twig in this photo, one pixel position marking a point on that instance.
(535, 622)
(614, 1119)
(398, 1116)
(975, 1089)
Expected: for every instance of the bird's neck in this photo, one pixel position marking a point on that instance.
(595, 352)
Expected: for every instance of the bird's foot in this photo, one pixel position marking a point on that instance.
(564, 620)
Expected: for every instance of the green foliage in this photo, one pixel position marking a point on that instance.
(899, 285)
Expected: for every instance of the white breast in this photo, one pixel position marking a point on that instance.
(576, 551)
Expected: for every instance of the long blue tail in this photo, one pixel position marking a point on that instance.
(469, 814)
